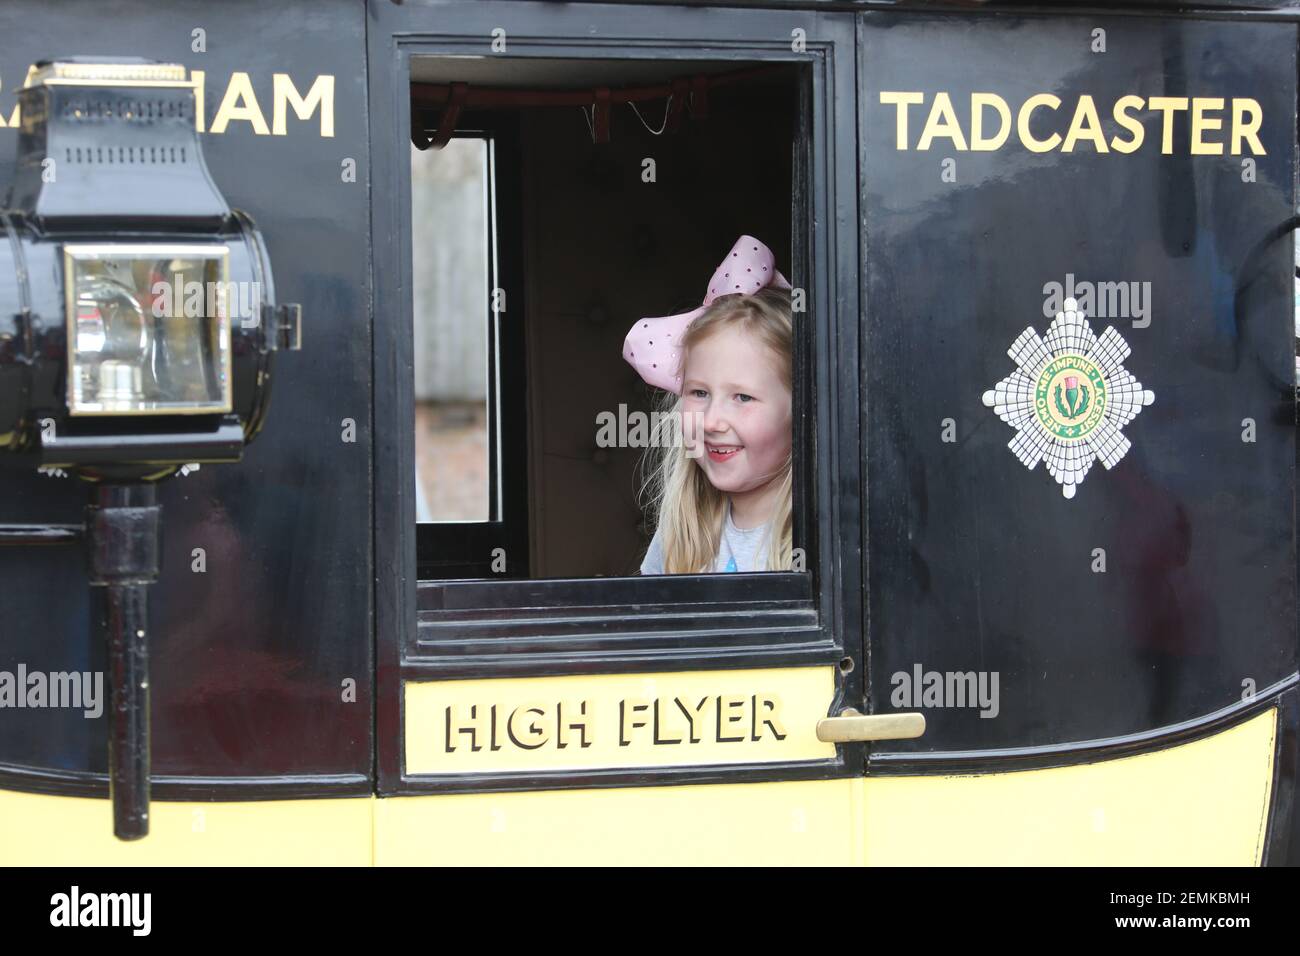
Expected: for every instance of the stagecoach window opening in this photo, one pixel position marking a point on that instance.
(553, 206)
(453, 244)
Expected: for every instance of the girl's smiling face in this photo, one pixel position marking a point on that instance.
(735, 403)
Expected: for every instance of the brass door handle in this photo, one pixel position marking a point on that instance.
(851, 726)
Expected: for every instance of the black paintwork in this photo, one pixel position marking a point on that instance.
(982, 565)
(123, 540)
(29, 534)
(250, 657)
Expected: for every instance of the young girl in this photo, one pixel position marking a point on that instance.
(722, 489)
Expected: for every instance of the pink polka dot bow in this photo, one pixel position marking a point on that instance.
(652, 345)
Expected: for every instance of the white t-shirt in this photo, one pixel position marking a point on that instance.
(741, 549)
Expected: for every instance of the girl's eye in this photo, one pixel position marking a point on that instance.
(742, 397)
(699, 393)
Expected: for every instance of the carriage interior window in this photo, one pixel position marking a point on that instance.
(454, 332)
(555, 204)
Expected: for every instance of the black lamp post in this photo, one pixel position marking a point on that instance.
(137, 333)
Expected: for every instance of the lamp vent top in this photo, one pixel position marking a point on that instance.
(106, 71)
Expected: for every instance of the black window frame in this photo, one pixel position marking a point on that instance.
(447, 550)
(460, 629)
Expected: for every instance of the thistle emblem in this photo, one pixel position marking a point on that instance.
(1068, 398)
(1076, 402)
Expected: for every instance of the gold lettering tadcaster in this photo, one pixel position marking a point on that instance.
(851, 726)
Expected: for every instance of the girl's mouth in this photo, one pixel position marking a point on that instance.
(722, 452)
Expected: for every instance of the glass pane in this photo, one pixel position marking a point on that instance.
(148, 330)
(450, 239)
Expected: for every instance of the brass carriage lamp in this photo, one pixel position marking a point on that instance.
(132, 346)
(144, 323)
(137, 332)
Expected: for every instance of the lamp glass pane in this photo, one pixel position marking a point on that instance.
(148, 329)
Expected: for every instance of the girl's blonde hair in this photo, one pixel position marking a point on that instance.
(690, 511)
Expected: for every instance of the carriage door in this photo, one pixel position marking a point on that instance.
(546, 176)
(1077, 338)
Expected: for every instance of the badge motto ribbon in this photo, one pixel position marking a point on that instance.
(1068, 398)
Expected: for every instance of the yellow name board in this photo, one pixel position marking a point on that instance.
(617, 720)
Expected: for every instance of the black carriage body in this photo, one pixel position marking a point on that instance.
(257, 608)
(931, 545)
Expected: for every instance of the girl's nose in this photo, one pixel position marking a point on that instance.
(712, 419)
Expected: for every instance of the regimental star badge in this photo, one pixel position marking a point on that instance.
(1069, 398)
